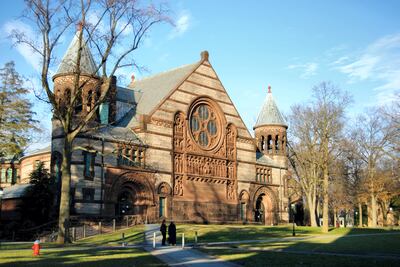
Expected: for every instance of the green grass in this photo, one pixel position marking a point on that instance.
(272, 259)
(312, 245)
(133, 235)
(79, 257)
(223, 233)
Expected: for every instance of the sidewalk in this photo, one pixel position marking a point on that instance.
(176, 256)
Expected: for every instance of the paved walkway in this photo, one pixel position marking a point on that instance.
(176, 256)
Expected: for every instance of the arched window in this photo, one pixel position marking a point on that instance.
(277, 147)
(9, 175)
(3, 175)
(262, 143)
(269, 143)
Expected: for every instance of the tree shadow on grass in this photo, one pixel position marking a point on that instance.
(357, 247)
(86, 258)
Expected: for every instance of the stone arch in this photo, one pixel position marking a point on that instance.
(244, 196)
(164, 189)
(265, 206)
(135, 187)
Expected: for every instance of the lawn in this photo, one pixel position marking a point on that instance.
(84, 252)
(375, 247)
(72, 256)
(222, 233)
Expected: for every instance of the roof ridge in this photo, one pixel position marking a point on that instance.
(160, 73)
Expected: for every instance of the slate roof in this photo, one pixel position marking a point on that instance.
(87, 64)
(15, 191)
(270, 114)
(116, 134)
(151, 90)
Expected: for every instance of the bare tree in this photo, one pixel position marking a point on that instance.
(117, 30)
(304, 156)
(317, 130)
(373, 136)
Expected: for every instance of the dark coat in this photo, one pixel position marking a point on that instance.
(172, 233)
(163, 229)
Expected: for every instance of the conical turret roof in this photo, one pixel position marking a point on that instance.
(270, 114)
(68, 63)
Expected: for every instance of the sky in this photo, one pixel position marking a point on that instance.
(290, 45)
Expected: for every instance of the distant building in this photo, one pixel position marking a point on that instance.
(14, 180)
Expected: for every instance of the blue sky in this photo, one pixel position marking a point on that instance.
(291, 45)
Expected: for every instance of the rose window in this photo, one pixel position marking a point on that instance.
(204, 126)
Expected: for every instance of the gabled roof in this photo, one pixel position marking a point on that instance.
(270, 114)
(68, 63)
(152, 90)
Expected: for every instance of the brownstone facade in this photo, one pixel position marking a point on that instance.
(176, 148)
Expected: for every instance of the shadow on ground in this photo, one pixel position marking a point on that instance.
(357, 247)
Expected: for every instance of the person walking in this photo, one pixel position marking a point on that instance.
(172, 234)
(163, 230)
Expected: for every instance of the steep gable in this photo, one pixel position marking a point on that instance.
(202, 81)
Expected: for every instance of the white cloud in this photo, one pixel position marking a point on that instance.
(181, 26)
(307, 69)
(27, 52)
(379, 62)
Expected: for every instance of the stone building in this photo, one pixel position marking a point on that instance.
(172, 146)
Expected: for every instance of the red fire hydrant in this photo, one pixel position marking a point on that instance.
(36, 248)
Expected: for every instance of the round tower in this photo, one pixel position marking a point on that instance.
(270, 129)
(89, 80)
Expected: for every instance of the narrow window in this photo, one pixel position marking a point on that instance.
(37, 163)
(3, 175)
(9, 175)
(127, 156)
(243, 211)
(269, 143)
(89, 160)
(277, 143)
(134, 157)
(162, 206)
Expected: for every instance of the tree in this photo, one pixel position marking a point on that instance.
(38, 204)
(16, 115)
(117, 30)
(317, 131)
(373, 135)
(304, 156)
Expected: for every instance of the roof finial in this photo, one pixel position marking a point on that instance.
(269, 89)
(204, 55)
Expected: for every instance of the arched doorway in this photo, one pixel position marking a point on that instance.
(131, 194)
(265, 206)
(260, 210)
(125, 204)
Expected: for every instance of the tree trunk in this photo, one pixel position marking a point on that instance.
(360, 223)
(63, 219)
(334, 217)
(311, 210)
(325, 207)
(373, 211)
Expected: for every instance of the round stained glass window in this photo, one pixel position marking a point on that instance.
(204, 126)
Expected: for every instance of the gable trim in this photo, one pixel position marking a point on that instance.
(177, 86)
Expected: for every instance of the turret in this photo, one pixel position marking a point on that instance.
(270, 128)
(89, 79)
